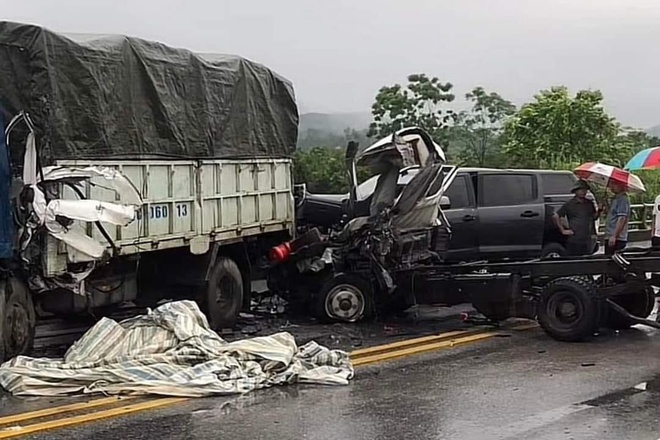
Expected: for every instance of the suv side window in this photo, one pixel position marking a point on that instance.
(458, 193)
(555, 184)
(507, 189)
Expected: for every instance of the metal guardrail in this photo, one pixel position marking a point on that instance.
(641, 217)
(640, 224)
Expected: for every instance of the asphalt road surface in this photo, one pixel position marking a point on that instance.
(522, 386)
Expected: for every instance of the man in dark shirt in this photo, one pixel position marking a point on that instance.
(581, 214)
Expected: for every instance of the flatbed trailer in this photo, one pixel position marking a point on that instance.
(571, 297)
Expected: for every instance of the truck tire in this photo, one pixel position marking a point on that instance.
(344, 298)
(639, 303)
(571, 309)
(18, 319)
(553, 250)
(224, 294)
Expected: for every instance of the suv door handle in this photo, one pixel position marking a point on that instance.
(469, 218)
(528, 214)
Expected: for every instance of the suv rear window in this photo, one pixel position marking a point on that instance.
(558, 183)
(507, 189)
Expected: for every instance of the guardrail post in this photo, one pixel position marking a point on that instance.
(643, 224)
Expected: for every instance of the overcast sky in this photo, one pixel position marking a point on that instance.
(339, 52)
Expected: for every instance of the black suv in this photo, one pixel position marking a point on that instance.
(494, 214)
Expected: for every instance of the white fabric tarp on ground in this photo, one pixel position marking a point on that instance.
(172, 351)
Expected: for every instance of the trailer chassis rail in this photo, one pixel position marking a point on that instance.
(629, 262)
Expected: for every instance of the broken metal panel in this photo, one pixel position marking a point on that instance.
(78, 239)
(55, 260)
(418, 205)
(126, 192)
(405, 142)
(76, 236)
(30, 170)
(82, 210)
(91, 211)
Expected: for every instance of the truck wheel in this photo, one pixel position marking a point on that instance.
(18, 319)
(640, 303)
(553, 250)
(570, 309)
(344, 298)
(224, 294)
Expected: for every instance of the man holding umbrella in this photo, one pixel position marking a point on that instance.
(616, 225)
(581, 214)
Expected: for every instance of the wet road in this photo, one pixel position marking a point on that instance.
(523, 386)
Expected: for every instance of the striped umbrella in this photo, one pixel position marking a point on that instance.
(645, 160)
(607, 175)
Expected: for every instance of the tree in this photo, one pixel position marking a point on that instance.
(557, 129)
(478, 130)
(635, 140)
(417, 104)
(322, 169)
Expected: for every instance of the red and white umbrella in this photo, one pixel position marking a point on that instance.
(607, 175)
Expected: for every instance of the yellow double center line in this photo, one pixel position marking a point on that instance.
(411, 347)
(16, 429)
(12, 426)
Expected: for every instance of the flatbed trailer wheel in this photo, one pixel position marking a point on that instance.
(571, 309)
(639, 303)
(344, 298)
(224, 294)
(18, 319)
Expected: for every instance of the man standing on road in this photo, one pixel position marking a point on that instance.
(581, 214)
(616, 225)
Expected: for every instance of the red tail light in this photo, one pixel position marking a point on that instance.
(281, 252)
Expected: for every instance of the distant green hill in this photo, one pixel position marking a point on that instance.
(332, 129)
(334, 122)
(654, 131)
